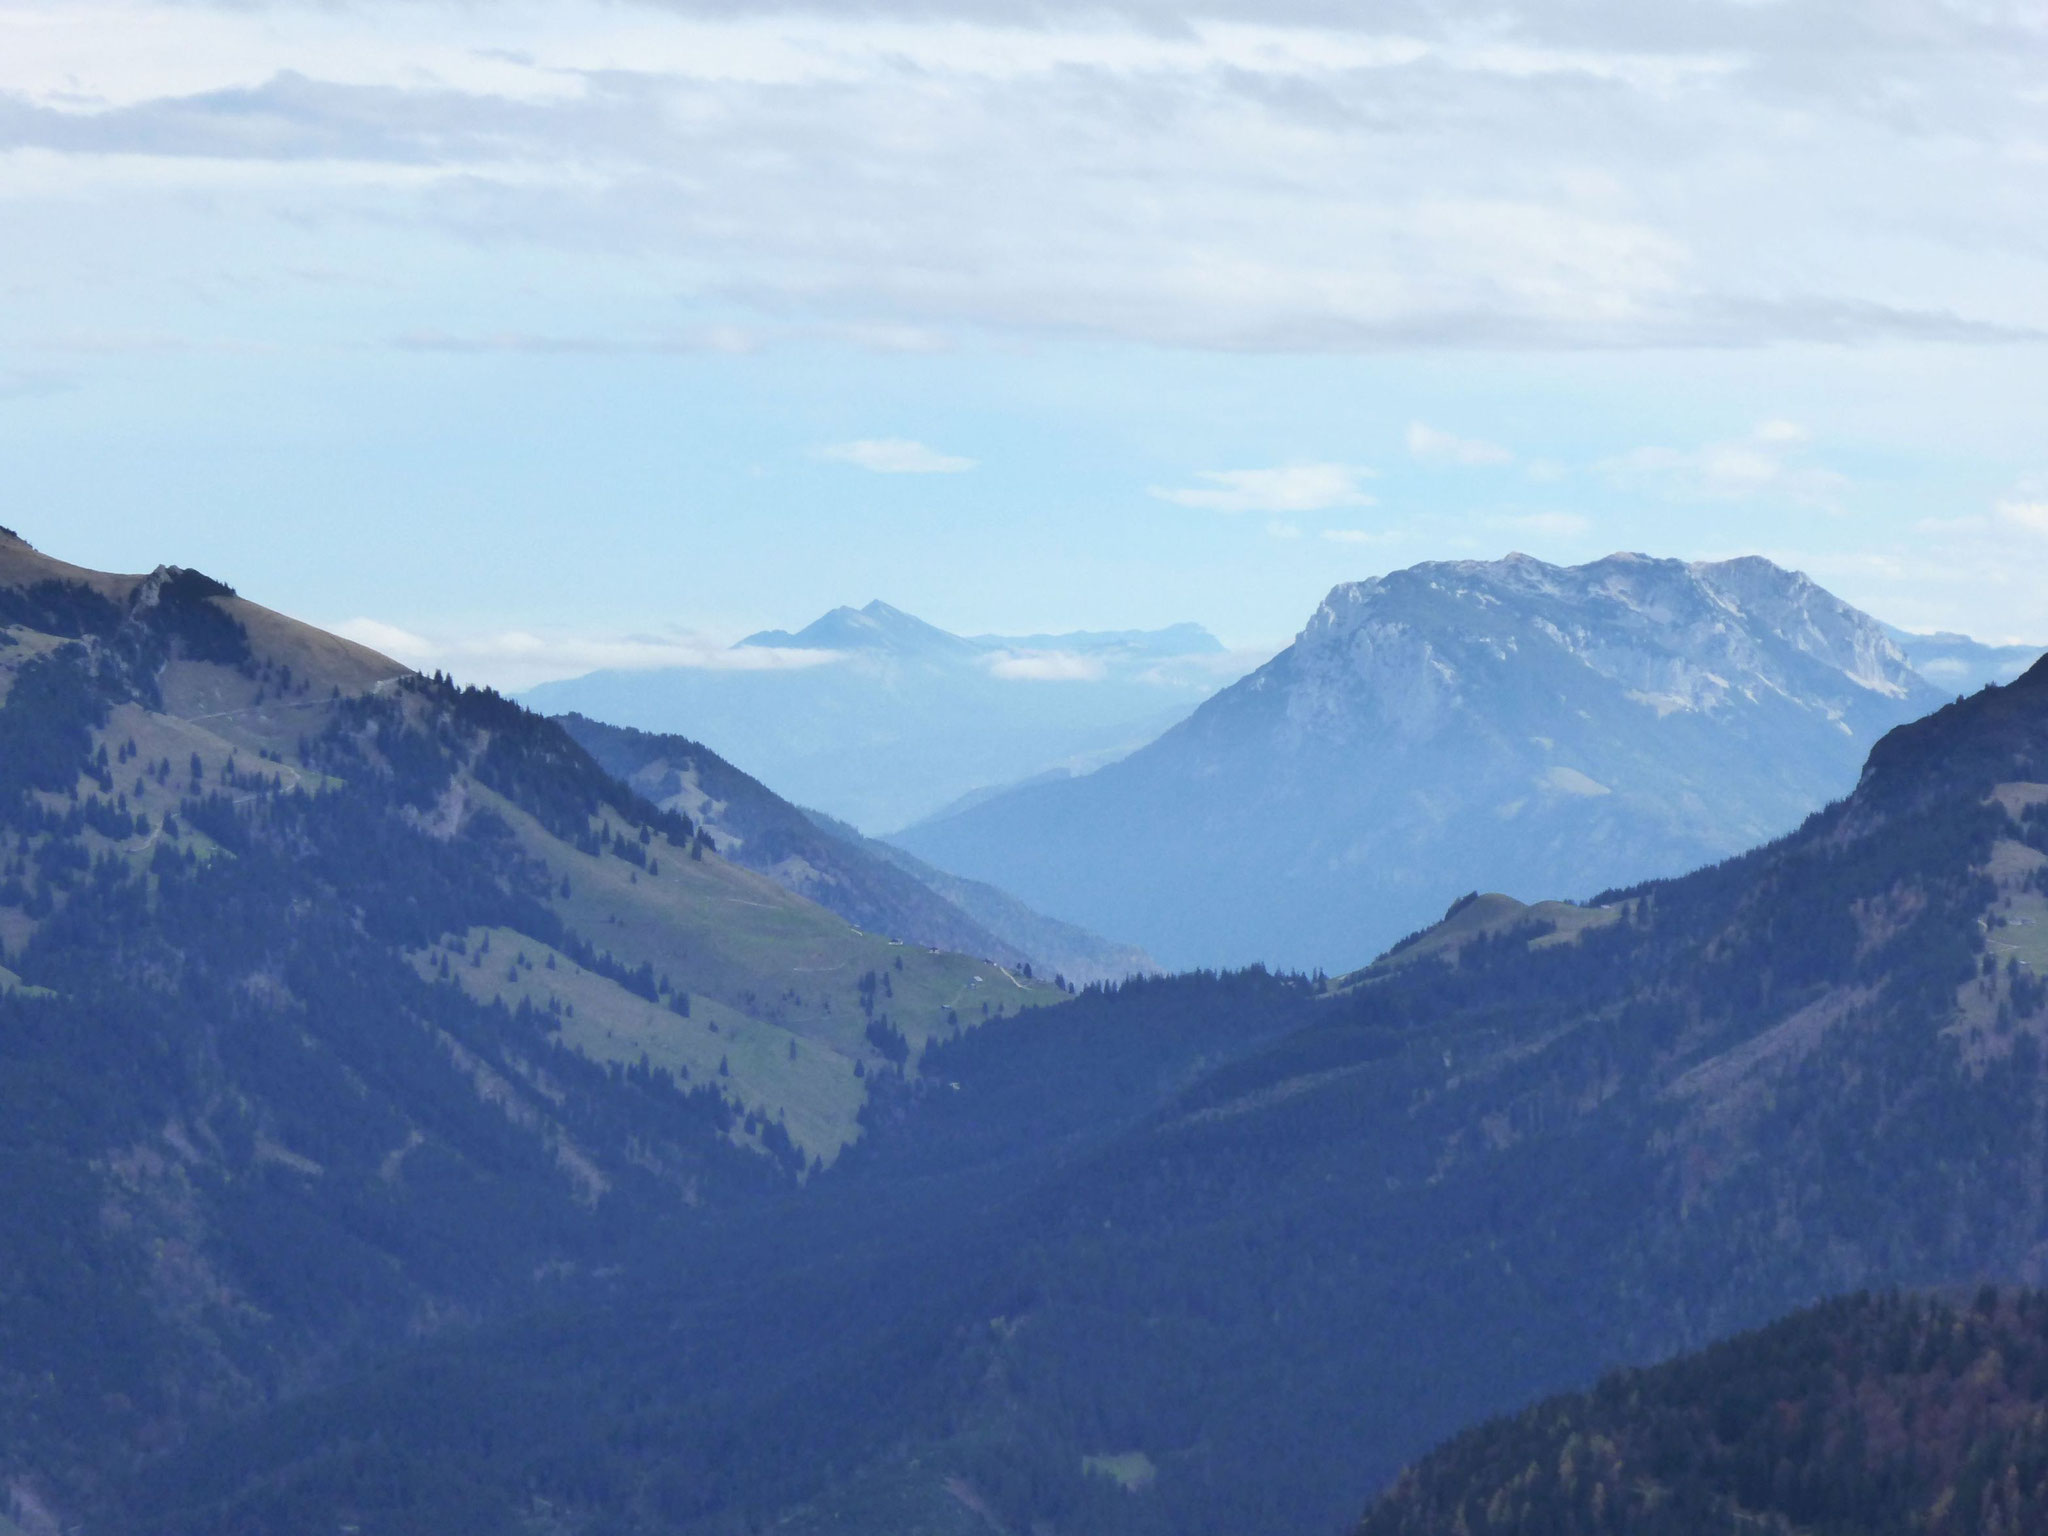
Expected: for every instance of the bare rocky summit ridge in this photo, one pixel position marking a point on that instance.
(1408, 651)
(1509, 725)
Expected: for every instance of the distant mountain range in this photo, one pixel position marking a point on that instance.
(1455, 726)
(869, 883)
(878, 718)
(1958, 664)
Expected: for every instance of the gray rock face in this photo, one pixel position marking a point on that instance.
(1504, 725)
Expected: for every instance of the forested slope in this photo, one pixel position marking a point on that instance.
(1223, 1253)
(342, 1008)
(1881, 1415)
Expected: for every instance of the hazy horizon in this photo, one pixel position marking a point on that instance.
(526, 330)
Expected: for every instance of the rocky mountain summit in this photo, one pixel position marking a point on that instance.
(1460, 725)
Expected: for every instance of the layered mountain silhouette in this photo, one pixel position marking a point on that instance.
(1505, 725)
(406, 1125)
(1222, 1253)
(878, 718)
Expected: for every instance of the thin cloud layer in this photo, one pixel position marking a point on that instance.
(2031, 516)
(1047, 667)
(1434, 447)
(1289, 488)
(1771, 461)
(1556, 525)
(895, 456)
(1975, 572)
(516, 659)
(1285, 177)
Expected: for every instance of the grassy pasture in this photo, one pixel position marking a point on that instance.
(1487, 915)
(724, 932)
(1132, 1470)
(814, 1091)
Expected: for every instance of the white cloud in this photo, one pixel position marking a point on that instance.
(1360, 536)
(1047, 667)
(1434, 447)
(2030, 515)
(1289, 176)
(726, 339)
(389, 639)
(518, 659)
(1290, 488)
(1768, 462)
(1969, 575)
(895, 456)
(33, 383)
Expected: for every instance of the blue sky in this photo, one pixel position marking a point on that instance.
(532, 337)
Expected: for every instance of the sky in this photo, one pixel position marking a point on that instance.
(526, 338)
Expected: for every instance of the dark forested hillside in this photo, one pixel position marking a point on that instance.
(1885, 1416)
(1223, 1253)
(826, 1364)
(341, 1008)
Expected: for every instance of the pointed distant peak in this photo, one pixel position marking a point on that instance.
(876, 629)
